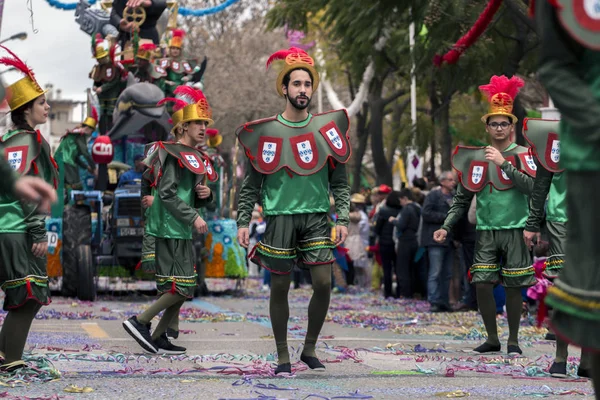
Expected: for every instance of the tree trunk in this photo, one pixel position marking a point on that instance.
(383, 170)
(360, 148)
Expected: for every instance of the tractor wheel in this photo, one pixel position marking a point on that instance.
(77, 230)
(86, 290)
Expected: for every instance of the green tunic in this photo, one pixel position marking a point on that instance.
(108, 78)
(176, 69)
(22, 275)
(73, 147)
(7, 183)
(570, 71)
(177, 171)
(289, 189)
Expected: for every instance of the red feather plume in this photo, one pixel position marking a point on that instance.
(147, 47)
(94, 113)
(282, 54)
(178, 33)
(188, 92)
(452, 56)
(179, 104)
(112, 53)
(212, 132)
(16, 62)
(501, 84)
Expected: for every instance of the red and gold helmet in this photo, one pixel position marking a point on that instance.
(25, 89)
(294, 58)
(501, 93)
(177, 38)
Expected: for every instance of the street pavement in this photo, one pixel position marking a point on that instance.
(373, 349)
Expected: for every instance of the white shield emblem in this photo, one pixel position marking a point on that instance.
(192, 160)
(164, 63)
(208, 167)
(305, 151)
(187, 67)
(15, 159)
(531, 162)
(477, 174)
(268, 152)
(109, 72)
(151, 150)
(335, 138)
(592, 8)
(555, 151)
(175, 65)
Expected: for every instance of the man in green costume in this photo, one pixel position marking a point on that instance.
(295, 159)
(502, 210)
(23, 239)
(570, 71)
(179, 70)
(74, 150)
(549, 184)
(144, 69)
(180, 172)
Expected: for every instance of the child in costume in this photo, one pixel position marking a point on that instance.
(74, 150)
(569, 60)
(295, 159)
(179, 172)
(23, 239)
(502, 211)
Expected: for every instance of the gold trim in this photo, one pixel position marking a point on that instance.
(563, 295)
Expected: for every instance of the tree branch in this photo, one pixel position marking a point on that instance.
(394, 96)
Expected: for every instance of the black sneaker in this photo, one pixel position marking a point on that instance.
(487, 348)
(312, 362)
(141, 334)
(285, 368)
(550, 336)
(172, 334)
(558, 370)
(513, 350)
(166, 347)
(583, 372)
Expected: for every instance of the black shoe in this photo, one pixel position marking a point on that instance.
(583, 373)
(166, 347)
(513, 350)
(13, 366)
(487, 348)
(285, 368)
(558, 370)
(172, 334)
(141, 334)
(550, 336)
(312, 362)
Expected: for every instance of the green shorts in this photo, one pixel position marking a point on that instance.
(557, 231)
(148, 254)
(302, 239)
(175, 270)
(506, 245)
(575, 296)
(22, 275)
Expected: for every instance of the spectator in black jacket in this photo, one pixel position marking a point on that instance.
(153, 8)
(407, 225)
(384, 230)
(441, 255)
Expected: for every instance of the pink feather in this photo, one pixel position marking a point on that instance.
(15, 62)
(501, 84)
(278, 55)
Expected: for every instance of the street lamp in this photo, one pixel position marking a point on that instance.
(20, 36)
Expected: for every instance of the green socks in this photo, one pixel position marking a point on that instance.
(162, 303)
(514, 307)
(16, 329)
(171, 314)
(487, 308)
(280, 314)
(318, 306)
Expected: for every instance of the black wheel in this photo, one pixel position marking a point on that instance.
(77, 230)
(86, 273)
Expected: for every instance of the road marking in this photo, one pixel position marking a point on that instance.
(94, 330)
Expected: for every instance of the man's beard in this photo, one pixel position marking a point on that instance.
(298, 106)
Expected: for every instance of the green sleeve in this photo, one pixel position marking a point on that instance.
(167, 192)
(249, 193)
(7, 183)
(338, 182)
(460, 205)
(560, 72)
(541, 187)
(108, 86)
(522, 181)
(83, 151)
(36, 223)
